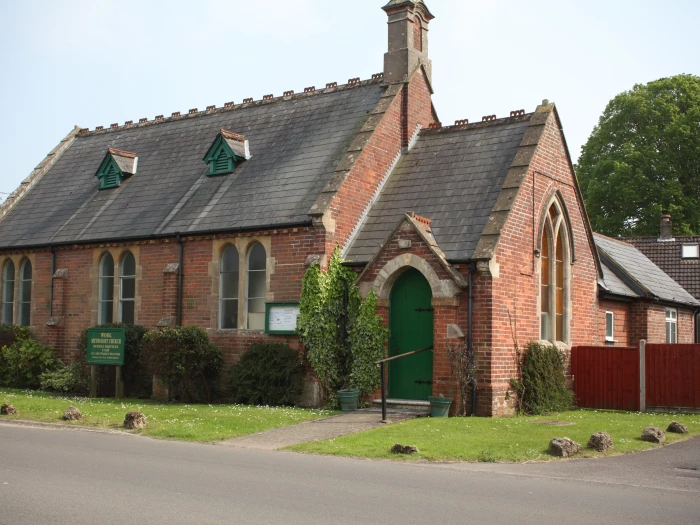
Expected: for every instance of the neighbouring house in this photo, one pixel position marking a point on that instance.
(678, 256)
(474, 233)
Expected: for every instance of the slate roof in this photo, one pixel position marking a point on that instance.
(295, 145)
(452, 176)
(638, 274)
(613, 284)
(666, 255)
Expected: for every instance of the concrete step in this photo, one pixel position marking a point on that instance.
(405, 406)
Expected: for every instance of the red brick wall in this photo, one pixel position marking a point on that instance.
(409, 108)
(621, 315)
(515, 291)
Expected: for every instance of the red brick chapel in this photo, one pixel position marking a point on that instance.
(210, 218)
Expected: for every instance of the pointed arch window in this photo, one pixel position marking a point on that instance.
(255, 293)
(555, 260)
(8, 292)
(228, 293)
(127, 288)
(25, 293)
(106, 306)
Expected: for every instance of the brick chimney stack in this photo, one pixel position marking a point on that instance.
(666, 228)
(408, 40)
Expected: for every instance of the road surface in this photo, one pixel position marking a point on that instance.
(50, 476)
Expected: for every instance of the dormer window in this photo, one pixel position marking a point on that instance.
(226, 152)
(116, 166)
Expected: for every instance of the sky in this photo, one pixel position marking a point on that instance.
(98, 62)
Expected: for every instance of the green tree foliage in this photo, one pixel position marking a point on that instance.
(267, 374)
(643, 158)
(185, 360)
(341, 346)
(23, 362)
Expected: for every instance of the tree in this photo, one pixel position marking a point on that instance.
(643, 158)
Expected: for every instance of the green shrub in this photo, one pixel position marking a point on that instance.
(9, 333)
(267, 374)
(24, 361)
(135, 374)
(543, 387)
(185, 360)
(66, 379)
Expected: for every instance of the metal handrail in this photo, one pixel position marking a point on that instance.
(382, 366)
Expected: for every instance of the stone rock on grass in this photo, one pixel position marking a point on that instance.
(600, 442)
(72, 414)
(563, 447)
(677, 428)
(134, 420)
(403, 449)
(653, 435)
(8, 410)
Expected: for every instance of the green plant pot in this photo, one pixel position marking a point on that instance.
(348, 399)
(439, 406)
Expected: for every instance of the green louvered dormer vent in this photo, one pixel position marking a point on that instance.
(116, 166)
(227, 150)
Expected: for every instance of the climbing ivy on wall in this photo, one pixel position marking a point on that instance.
(343, 335)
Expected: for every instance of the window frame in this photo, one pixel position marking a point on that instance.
(697, 251)
(5, 267)
(248, 299)
(671, 323)
(100, 290)
(556, 233)
(610, 336)
(122, 278)
(237, 299)
(22, 284)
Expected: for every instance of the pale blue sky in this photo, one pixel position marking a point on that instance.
(95, 62)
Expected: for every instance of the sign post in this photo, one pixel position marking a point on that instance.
(105, 346)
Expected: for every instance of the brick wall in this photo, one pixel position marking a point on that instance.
(621, 315)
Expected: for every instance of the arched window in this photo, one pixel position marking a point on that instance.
(228, 291)
(255, 293)
(25, 293)
(554, 277)
(106, 306)
(8, 292)
(127, 288)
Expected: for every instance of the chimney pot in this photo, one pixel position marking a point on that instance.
(666, 227)
(408, 40)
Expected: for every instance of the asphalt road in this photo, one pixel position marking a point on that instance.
(74, 477)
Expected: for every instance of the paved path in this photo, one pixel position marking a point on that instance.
(79, 478)
(327, 428)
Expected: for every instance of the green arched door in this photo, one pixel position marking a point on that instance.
(411, 325)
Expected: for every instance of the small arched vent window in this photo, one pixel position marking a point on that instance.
(555, 260)
(227, 150)
(25, 293)
(106, 306)
(127, 288)
(8, 293)
(228, 293)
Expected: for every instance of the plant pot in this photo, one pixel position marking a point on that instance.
(439, 406)
(348, 399)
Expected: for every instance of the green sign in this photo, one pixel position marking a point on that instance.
(281, 318)
(105, 346)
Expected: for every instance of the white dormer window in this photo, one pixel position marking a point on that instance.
(690, 251)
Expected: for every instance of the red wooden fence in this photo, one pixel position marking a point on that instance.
(606, 377)
(672, 375)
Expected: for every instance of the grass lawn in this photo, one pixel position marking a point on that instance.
(167, 421)
(513, 439)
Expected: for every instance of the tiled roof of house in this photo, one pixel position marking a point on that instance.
(452, 175)
(296, 141)
(638, 274)
(666, 254)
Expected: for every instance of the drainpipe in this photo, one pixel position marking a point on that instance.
(179, 280)
(53, 271)
(470, 343)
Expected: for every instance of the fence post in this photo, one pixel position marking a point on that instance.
(642, 376)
